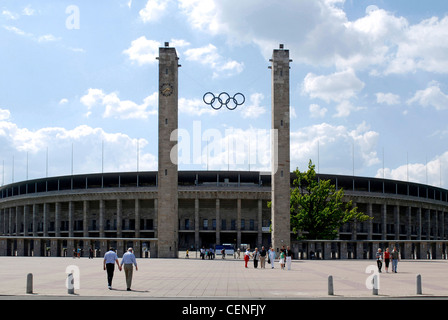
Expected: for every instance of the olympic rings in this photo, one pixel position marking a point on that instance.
(223, 99)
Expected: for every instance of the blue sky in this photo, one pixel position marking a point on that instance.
(369, 91)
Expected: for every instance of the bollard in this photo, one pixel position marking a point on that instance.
(419, 284)
(70, 284)
(375, 285)
(29, 283)
(330, 286)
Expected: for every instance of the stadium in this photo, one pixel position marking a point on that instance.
(164, 212)
(54, 216)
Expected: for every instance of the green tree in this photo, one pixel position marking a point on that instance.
(317, 208)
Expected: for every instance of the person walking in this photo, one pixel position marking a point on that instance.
(128, 261)
(395, 258)
(379, 259)
(110, 258)
(246, 257)
(387, 259)
(263, 255)
(272, 257)
(256, 256)
(282, 259)
(288, 254)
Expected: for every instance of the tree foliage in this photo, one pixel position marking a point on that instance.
(317, 208)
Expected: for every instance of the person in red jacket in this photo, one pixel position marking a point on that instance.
(387, 259)
(246, 257)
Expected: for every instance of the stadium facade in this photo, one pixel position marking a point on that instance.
(48, 216)
(162, 212)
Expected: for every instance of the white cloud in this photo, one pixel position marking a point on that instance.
(28, 11)
(345, 108)
(336, 87)
(4, 114)
(431, 96)
(47, 38)
(254, 109)
(194, 107)
(117, 108)
(209, 56)
(179, 43)
(29, 148)
(63, 101)
(17, 31)
(433, 172)
(10, 15)
(424, 46)
(334, 144)
(153, 10)
(318, 32)
(317, 111)
(143, 51)
(387, 98)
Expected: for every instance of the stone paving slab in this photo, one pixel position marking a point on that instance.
(219, 279)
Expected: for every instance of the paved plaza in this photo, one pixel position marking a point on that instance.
(219, 279)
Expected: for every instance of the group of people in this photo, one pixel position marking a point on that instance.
(387, 257)
(263, 255)
(127, 263)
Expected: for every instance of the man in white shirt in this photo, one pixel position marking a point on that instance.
(110, 258)
(128, 260)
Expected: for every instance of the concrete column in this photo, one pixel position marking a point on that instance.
(71, 209)
(344, 251)
(359, 250)
(428, 223)
(37, 248)
(137, 249)
(439, 250)
(54, 248)
(19, 217)
(280, 148)
(260, 223)
(168, 225)
(71, 249)
(409, 224)
(3, 247)
(10, 227)
(354, 226)
(436, 223)
(384, 220)
(397, 221)
(57, 220)
(45, 219)
(121, 249)
(137, 218)
(198, 245)
(119, 217)
(35, 215)
(156, 221)
(20, 247)
(419, 223)
(327, 250)
(2, 221)
(370, 222)
(86, 247)
(85, 213)
(26, 212)
(101, 219)
(218, 222)
(442, 225)
(238, 223)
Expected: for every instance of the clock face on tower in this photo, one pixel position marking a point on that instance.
(166, 89)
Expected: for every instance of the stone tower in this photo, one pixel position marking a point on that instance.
(280, 161)
(167, 202)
